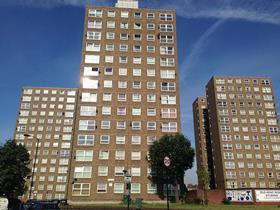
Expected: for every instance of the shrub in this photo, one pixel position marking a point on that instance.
(226, 201)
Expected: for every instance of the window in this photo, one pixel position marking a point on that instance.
(121, 111)
(135, 188)
(123, 47)
(107, 96)
(104, 155)
(109, 59)
(88, 111)
(136, 140)
(137, 37)
(151, 49)
(104, 139)
(105, 124)
(150, 37)
(135, 155)
(166, 50)
(150, 15)
(165, 17)
(111, 24)
(137, 15)
(81, 189)
(120, 155)
(124, 25)
(111, 13)
(91, 71)
(136, 111)
(102, 170)
(151, 85)
(168, 86)
(137, 48)
(122, 71)
(137, 26)
(151, 140)
(84, 155)
(166, 39)
(151, 26)
(106, 110)
(136, 84)
(94, 59)
(135, 172)
(121, 124)
(121, 97)
(108, 84)
(92, 47)
(120, 139)
(123, 36)
(151, 111)
(168, 99)
(87, 125)
(82, 172)
(93, 35)
(166, 27)
(89, 97)
(151, 188)
(109, 47)
(124, 14)
(169, 127)
(136, 125)
(167, 74)
(136, 97)
(151, 98)
(101, 188)
(119, 170)
(169, 113)
(151, 125)
(151, 72)
(123, 59)
(167, 62)
(151, 60)
(95, 24)
(118, 188)
(136, 60)
(136, 72)
(94, 13)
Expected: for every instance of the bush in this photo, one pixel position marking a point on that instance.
(226, 201)
(194, 201)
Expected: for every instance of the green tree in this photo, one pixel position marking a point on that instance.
(204, 179)
(178, 149)
(14, 160)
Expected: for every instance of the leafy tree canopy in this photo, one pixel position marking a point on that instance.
(178, 149)
(14, 160)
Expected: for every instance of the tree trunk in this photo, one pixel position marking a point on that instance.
(176, 192)
(205, 196)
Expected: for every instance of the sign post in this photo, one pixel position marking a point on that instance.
(167, 162)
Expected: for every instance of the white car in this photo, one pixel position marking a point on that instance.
(3, 203)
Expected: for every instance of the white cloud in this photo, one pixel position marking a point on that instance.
(265, 11)
(201, 45)
(56, 3)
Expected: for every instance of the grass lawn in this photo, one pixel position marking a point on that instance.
(183, 206)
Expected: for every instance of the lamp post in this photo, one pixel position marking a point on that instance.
(34, 164)
(167, 162)
(127, 180)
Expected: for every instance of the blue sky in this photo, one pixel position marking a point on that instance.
(41, 41)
